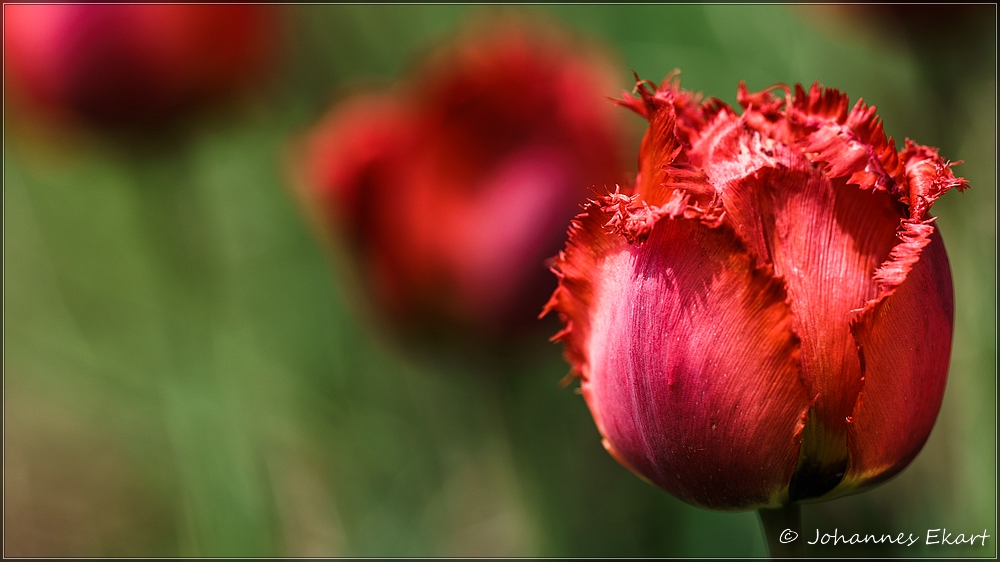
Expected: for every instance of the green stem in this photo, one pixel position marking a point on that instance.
(783, 531)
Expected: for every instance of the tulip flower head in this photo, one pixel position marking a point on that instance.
(133, 66)
(455, 189)
(768, 318)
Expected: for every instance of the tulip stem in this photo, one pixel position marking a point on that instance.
(783, 531)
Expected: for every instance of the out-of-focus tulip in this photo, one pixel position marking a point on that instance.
(455, 188)
(133, 65)
(769, 318)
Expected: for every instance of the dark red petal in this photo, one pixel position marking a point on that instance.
(689, 364)
(904, 333)
(825, 239)
(905, 340)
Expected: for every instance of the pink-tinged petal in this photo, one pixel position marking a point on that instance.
(688, 360)
(588, 243)
(905, 340)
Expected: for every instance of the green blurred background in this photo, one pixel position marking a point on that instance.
(188, 371)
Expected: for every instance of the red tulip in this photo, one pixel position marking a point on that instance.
(455, 188)
(133, 65)
(769, 318)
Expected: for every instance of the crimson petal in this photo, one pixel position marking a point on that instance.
(688, 360)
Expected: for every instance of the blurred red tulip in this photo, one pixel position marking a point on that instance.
(456, 188)
(769, 318)
(133, 65)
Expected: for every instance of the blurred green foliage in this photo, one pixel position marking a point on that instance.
(188, 371)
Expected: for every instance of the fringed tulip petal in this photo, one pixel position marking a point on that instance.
(905, 341)
(674, 403)
(663, 165)
(904, 334)
(825, 239)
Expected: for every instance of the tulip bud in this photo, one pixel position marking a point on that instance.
(455, 189)
(133, 65)
(768, 318)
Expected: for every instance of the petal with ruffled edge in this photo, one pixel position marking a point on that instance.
(905, 341)
(675, 116)
(904, 334)
(689, 364)
(825, 239)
